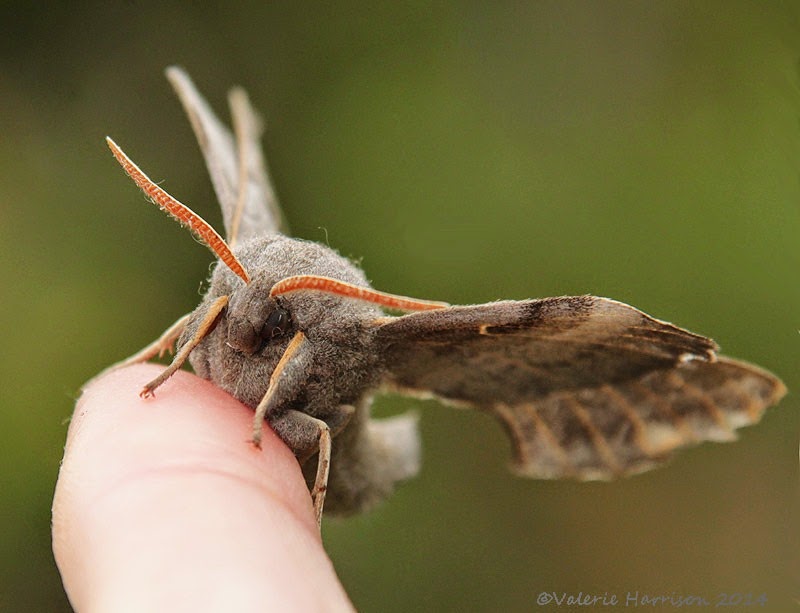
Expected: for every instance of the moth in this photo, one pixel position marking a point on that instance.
(585, 387)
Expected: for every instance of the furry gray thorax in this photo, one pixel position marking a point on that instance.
(338, 330)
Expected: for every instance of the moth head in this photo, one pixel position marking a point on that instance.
(253, 320)
(252, 325)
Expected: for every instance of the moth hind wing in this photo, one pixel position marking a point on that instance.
(612, 431)
(398, 439)
(237, 168)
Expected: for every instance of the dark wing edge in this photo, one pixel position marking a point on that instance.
(610, 390)
(258, 213)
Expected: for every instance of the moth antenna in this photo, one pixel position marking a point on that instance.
(179, 211)
(348, 290)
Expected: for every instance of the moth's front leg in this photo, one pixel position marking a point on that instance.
(209, 320)
(306, 436)
(163, 344)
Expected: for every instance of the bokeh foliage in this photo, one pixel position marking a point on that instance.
(464, 151)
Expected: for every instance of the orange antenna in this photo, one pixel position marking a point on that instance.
(179, 211)
(348, 290)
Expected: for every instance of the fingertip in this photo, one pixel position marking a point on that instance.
(167, 493)
(188, 422)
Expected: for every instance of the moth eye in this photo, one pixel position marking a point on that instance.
(277, 324)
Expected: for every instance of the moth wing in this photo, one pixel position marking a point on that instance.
(586, 387)
(234, 165)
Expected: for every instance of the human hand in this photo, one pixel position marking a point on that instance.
(162, 504)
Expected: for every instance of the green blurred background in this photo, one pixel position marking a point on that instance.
(464, 152)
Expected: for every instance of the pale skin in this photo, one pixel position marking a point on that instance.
(161, 505)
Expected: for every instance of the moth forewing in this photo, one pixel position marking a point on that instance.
(257, 212)
(237, 168)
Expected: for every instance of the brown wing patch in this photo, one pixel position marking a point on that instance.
(237, 168)
(518, 352)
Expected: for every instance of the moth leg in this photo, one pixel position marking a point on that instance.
(206, 325)
(307, 435)
(163, 344)
(280, 381)
(158, 347)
